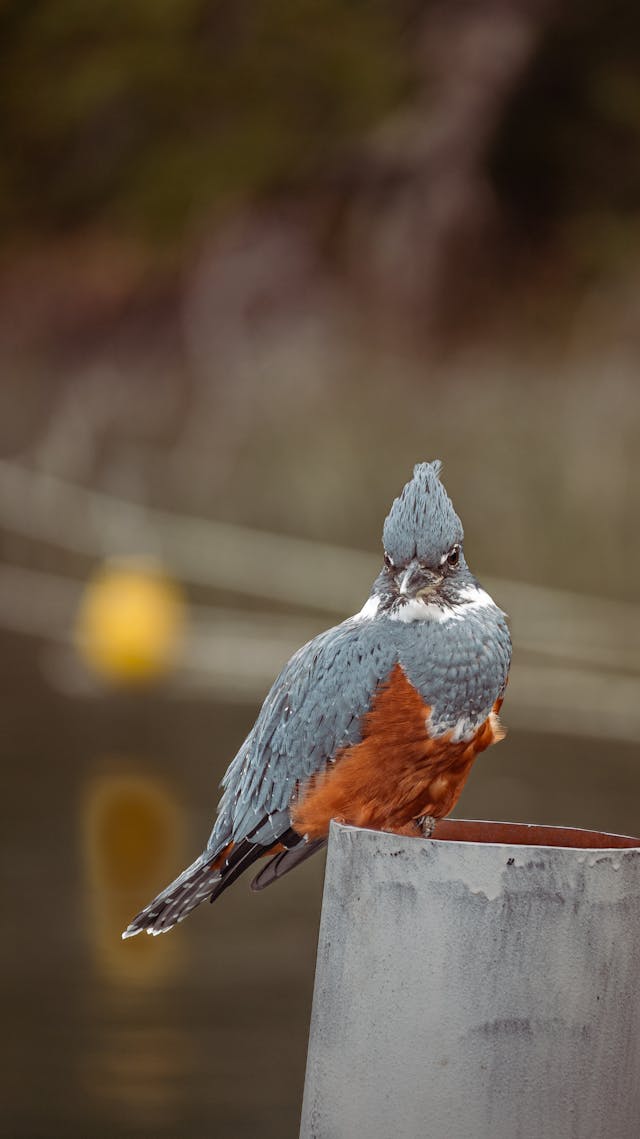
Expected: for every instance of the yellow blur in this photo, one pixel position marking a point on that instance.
(130, 623)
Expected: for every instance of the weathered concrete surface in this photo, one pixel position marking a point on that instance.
(475, 991)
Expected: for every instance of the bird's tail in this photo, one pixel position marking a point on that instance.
(214, 871)
(198, 882)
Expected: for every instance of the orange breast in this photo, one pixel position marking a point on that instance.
(396, 773)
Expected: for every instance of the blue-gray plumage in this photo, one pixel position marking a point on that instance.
(422, 522)
(429, 633)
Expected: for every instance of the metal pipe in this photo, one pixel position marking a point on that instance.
(483, 984)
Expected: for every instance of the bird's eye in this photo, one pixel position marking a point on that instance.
(453, 557)
(388, 561)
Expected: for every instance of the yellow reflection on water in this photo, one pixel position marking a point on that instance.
(132, 837)
(138, 1074)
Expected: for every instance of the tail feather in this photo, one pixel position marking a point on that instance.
(285, 861)
(192, 887)
(241, 857)
(213, 872)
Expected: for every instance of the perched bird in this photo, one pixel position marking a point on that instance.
(375, 722)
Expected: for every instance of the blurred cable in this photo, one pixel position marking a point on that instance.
(234, 655)
(217, 555)
(593, 631)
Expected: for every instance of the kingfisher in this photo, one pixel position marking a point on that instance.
(375, 722)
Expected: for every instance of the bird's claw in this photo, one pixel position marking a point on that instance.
(427, 824)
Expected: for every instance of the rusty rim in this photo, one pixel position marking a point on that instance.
(528, 834)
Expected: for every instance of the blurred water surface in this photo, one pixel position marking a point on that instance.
(199, 1032)
(203, 1031)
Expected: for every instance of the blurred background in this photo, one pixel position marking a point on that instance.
(258, 259)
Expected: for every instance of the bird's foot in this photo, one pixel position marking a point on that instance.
(427, 824)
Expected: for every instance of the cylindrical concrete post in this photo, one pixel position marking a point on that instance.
(482, 987)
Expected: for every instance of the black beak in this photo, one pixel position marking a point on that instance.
(417, 581)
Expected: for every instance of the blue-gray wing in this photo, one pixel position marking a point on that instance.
(314, 708)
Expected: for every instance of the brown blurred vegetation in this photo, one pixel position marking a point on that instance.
(330, 232)
(150, 115)
(156, 119)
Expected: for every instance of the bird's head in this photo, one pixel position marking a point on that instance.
(423, 559)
